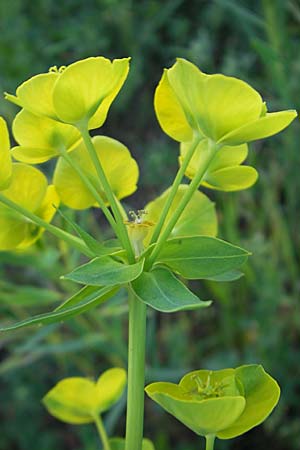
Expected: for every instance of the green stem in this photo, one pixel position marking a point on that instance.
(193, 186)
(61, 234)
(102, 432)
(210, 440)
(174, 189)
(86, 181)
(136, 373)
(122, 231)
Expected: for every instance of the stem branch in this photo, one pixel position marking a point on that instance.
(59, 233)
(174, 189)
(122, 231)
(210, 440)
(102, 432)
(193, 186)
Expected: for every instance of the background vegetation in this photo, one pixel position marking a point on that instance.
(256, 319)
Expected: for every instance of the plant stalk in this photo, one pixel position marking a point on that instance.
(210, 441)
(102, 432)
(86, 181)
(59, 233)
(174, 189)
(136, 373)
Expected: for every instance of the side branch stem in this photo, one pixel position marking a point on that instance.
(210, 441)
(91, 188)
(136, 373)
(193, 186)
(102, 432)
(122, 231)
(174, 189)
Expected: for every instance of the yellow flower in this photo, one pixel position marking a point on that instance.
(221, 108)
(28, 188)
(78, 94)
(225, 173)
(5, 158)
(41, 138)
(79, 400)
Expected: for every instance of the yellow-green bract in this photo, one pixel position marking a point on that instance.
(29, 189)
(78, 94)
(114, 157)
(223, 109)
(5, 159)
(225, 173)
(79, 400)
(225, 403)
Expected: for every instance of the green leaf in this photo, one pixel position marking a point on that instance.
(262, 394)
(91, 301)
(105, 271)
(98, 248)
(161, 290)
(199, 257)
(117, 443)
(80, 296)
(231, 275)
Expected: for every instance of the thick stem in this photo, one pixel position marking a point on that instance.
(193, 186)
(122, 231)
(102, 432)
(61, 234)
(136, 373)
(174, 189)
(210, 441)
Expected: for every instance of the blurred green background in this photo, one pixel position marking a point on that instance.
(256, 319)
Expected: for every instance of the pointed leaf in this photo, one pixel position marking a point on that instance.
(105, 271)
(232, 275)
(161, 290)
(201, 256)
(91, 301)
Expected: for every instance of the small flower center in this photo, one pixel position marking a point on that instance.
(138, 228)
(55, 69)
(208, 389)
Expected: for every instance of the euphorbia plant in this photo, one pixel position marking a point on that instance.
(168, 241)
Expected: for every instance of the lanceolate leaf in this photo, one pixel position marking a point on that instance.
(231, 275)
(161, 290)
(83, 294)
(98, 248)
(90, 301)
(199, 257)
(105, 271)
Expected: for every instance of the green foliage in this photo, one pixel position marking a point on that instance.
(252, 315)
(199, 257)
(161, 290)
(105, 271)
